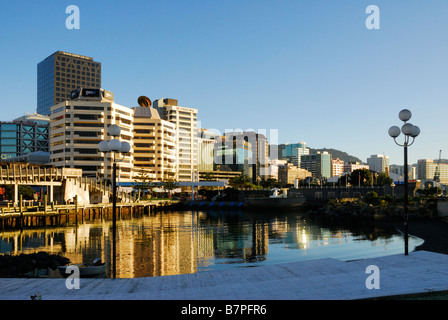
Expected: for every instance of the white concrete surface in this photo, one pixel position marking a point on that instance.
(321, 279)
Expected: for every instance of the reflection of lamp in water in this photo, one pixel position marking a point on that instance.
(114, 146)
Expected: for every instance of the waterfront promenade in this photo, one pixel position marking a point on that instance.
(321, 279)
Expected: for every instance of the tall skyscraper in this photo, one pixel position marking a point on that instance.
(185, 121)
(61, 73)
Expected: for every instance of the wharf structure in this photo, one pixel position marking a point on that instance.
(63, 191)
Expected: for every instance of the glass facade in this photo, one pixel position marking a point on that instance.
(45, 85)
(318, 164)
(17, 139)
(8, 140)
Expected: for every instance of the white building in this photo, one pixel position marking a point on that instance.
(350, 167)
(154, 145)
(378, 162)
(77, 127)
(274, 166)
(185, 121)
(337, 167)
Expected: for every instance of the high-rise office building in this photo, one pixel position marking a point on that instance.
(318, 164)
(185, 121)
(61, 73)
(80, 124)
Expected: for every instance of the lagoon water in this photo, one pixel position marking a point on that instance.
(168, 243)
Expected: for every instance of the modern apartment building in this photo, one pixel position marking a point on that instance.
(378, 162)
(185, 122)
(154, 144)
(24, 135)
(61, 73)
(79, 124)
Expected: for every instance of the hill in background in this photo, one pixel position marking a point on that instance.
(344, 156)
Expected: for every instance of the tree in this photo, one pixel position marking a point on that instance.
(361, 177)
(170, 185)
(27, 192)
(142, 182)
(344, 180)
(270, 183)
(209, 176)
(372, 198)
(239, 182)
(383, 178)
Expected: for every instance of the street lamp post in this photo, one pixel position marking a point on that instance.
(409, 131)
(114, 146)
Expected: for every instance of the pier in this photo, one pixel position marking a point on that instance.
(32, 214)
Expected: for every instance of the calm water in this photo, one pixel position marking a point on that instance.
(193, 241)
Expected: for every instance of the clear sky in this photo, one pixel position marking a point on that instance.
(309, 69)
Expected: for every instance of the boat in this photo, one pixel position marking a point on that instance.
(277, 200)
(96, 268)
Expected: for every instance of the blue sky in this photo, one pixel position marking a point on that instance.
(309, 69)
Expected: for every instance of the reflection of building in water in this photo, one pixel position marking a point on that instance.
(186, 242)
(204, 246)
(260, 238)
(166, 244)
(247, 240)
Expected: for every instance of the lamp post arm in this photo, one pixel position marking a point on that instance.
(124, 156)
(410, 144)
(401, 145)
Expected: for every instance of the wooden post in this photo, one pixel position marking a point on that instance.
(21, 210)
